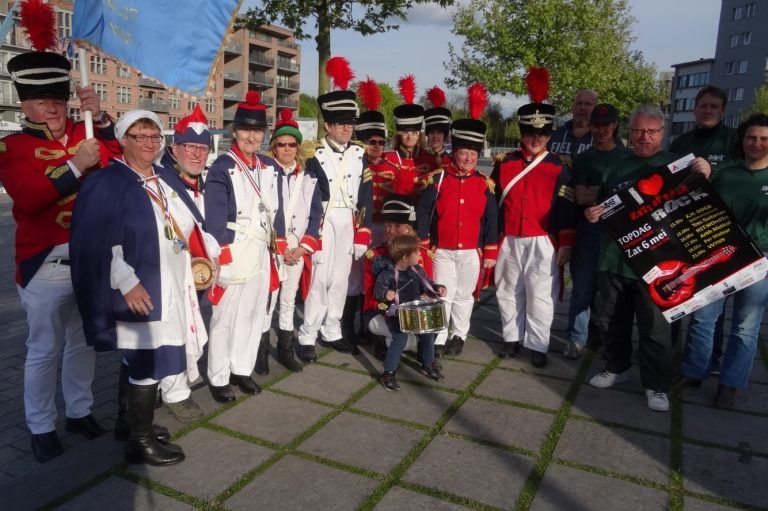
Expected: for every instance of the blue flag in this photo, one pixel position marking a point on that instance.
(173, 42)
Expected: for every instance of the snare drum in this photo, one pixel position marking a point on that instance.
(422, 316)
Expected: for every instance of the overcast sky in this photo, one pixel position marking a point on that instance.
(667, 32)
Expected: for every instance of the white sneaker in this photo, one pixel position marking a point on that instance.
(605, 379)
(657, 401)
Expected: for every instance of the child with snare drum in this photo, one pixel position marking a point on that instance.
(400, 279)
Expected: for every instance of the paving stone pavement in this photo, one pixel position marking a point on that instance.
(494, 435)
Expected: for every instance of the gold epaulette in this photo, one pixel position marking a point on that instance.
(308, 148)
(491, 184)
(499, 157)
(566, 192)
(357, 143)
(367, 175)
(369, 254)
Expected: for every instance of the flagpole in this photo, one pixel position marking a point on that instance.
(87, 115)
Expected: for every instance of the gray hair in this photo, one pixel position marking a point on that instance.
(646, 110)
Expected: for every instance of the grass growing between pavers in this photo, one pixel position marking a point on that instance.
(531, 486)
(393, 478)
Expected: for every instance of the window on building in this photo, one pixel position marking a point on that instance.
(746, 38)
(682, 82)
(739, 95)
(210, 105)
(751, 9)
(172, 121)
(174, 100)
(74, 114)
(64, 25)
(742, 67)
(101, 90)
(730, 68)
(734, 40)
(98, 65)
(190, 106)
(123, 72)
(123, 94)
(738, 13)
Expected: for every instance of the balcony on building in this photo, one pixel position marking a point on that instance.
(145, 81)
(154, 105)
(232, 76)
(284, 83)
(259, 78)
(285, 101)
(233, 48)
(287, 65)
(287, 43)
(261, 60)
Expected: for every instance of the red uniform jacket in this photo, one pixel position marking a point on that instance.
(43, 187)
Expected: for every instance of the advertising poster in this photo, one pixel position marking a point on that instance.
(681, 240)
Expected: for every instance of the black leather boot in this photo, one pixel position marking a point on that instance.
(122, 431)
(262, 358)
(285, 351)
(142, 446)
(348, 320)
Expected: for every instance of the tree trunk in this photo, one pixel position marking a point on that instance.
(323, 40)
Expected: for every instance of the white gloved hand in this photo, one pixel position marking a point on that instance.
(359, 250)
(211, 246)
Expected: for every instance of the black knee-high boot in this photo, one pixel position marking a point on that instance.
(285, 351)
(262, 357)
(122, 430)
(142, 446)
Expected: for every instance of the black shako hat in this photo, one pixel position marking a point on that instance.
(371, 123)
(250, 113)
(398, 209)
(40, 75)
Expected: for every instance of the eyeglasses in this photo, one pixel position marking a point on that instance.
(292, 145)
(376, 142)
(155, 139)
(409, 132)
(195, 148)
(651, 132)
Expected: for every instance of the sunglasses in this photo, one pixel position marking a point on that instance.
(292, 145)
(376, 142)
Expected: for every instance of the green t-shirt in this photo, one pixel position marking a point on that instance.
(620, 176)
(713, 144)
(591, 166)
(745, 192)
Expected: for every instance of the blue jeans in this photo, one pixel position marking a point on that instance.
(426, 349)
(748, 307)
(584, 261)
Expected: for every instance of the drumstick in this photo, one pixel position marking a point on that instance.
(404, 286)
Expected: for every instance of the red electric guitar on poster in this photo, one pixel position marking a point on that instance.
(676, 282)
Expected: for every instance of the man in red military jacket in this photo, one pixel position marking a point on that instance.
(42, 168)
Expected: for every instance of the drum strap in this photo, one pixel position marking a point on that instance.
(423, 280)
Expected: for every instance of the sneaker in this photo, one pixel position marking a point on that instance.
(432, 372)
(606, 379)
(657, 400)
(573, 350)
(185, 411)
(389, 380)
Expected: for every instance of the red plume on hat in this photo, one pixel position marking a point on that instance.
(39, 22)
(286, 118)
(537, 81)
(339, 71)
(407, 87)
(436, 96)
(252, 98)
(370, 94)
(477, 97)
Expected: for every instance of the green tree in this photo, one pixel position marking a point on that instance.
(760, 102)
(365, 17)
(583, 43)
(308, 106)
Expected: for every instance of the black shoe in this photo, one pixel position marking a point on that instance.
(725, 397)
(389, 381)
(142, 446)
(684, 381)
(285, 351)
(262, 358)
(432, 372)
(223, 394)
(307, 353)
(86, 426)
(343, 346)
(46, 446)
(538, 359)
(455, 346)
(122, 432)
(510, 349)
(439, 351)
(245, 384)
